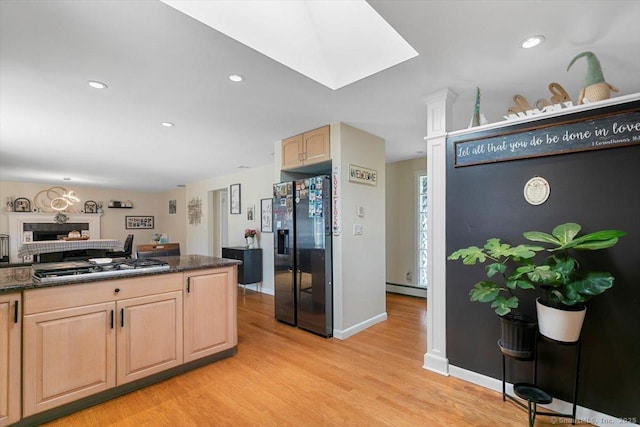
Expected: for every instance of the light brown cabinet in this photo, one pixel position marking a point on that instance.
(68, 354)
(83, 339)
(210, 313)
(10, 336)
(149, 338)
(306, 149)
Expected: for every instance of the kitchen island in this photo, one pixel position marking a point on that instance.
(89, 340)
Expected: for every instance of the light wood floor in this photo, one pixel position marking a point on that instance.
(282, 376)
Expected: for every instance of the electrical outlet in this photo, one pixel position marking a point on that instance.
(357, 229)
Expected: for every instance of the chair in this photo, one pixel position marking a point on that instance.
(126, 252)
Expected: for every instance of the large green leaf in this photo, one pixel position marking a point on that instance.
(539, 236)
(469, 255)
(598, 240)
(494, 268)
(566, 232)
(484, 291)
(503, 306)
(522, 284)
(593, 284)
(543, 275)
(496, 249)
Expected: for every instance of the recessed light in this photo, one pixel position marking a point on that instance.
(236, 78)
(532, 41)
(96, 84)
(167, 124)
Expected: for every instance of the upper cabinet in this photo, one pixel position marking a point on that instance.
(306, 149)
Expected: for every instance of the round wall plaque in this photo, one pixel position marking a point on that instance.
(536, 190)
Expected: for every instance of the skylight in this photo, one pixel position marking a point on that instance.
(334, 43)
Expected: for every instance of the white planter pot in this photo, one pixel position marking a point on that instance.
(559, 325)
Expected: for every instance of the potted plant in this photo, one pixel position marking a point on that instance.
(507, 268)
(565, 283)
(249, 236)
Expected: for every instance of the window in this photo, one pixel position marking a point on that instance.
(422, 215)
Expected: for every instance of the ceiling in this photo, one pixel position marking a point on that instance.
(161, 65)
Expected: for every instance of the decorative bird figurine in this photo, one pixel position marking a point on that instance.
(595, 88)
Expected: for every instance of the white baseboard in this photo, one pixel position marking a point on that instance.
(437, 364)
(583, 415)
(407, 290)
(258, 288)
(346, 333)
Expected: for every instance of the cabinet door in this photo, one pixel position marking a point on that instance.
(210, 313)
(68, 354)
(316, 146)
(149, 335)
(292, 152)
(10, 334)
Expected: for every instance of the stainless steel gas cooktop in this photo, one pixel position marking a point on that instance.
(81, 270)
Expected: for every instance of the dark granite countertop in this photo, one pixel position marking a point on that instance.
(14, 279)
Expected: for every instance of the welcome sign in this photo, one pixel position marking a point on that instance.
(604, 132)
(363, 175)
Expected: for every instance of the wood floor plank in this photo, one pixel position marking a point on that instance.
(283, 376)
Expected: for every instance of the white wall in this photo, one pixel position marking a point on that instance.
(255, 184)
(402, 221)
(113, 220)
(359, 261)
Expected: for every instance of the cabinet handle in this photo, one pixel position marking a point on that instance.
(122, 317)
(112, 314)
(188, 284)
(15, 312)
(116, 290)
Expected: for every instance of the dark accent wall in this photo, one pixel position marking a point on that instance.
(598, 189)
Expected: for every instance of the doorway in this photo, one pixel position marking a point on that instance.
(218, 221)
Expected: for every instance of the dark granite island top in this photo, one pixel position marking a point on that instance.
(15, 279)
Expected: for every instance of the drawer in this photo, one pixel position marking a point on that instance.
(67, 296)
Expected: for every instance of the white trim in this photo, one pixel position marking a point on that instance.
(341, 335)
(437, 364)
(412, 291)
(257, 287)
(18, 219)
(439, 109)
(557, 113)
(436, 254)
(583, 415)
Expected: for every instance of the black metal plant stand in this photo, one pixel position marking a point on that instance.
(534, 395)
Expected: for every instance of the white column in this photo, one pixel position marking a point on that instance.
(439, 118)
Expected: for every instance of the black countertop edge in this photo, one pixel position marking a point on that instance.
(16, 279)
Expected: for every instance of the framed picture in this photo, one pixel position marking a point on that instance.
(21, 205)
(90, 207)
(172, 206)
(251, 211)
(134, 222)
(234, 204)
(266, 218)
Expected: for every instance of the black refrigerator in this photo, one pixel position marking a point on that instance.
(303, 271)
